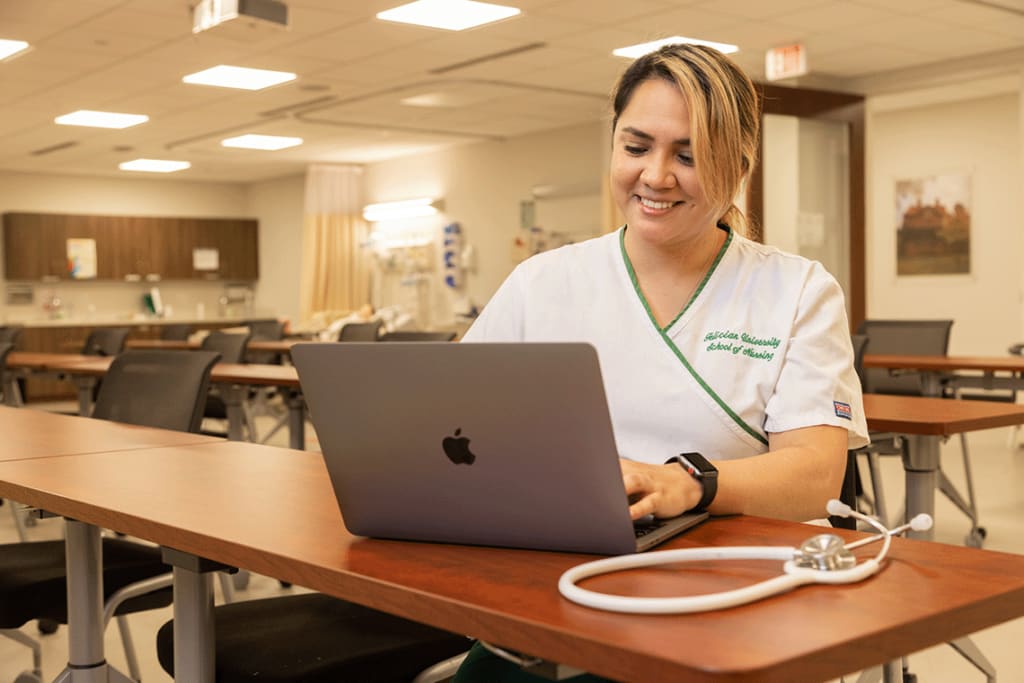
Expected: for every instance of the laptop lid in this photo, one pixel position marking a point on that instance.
(489, 444)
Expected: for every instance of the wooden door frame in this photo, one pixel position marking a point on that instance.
(846, 108)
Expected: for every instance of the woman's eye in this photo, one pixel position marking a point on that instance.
(634, 149)
(686, 158)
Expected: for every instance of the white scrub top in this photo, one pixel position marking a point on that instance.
(763, 346)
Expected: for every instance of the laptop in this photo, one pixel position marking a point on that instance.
(486, 444)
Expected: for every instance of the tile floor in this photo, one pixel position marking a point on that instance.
(999, 479)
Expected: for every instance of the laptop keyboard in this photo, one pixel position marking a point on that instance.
(641, 529)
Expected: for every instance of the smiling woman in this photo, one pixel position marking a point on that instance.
(711, 345)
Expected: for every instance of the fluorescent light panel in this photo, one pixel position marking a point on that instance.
(266, 142)
(11, 47)
(154, 165)
(408, 208)
(243, 78)
(101, 119)
(634, 51)
(451, 15)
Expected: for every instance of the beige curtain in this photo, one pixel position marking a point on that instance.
(335, 269)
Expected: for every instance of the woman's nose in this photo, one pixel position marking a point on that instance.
(657, 174)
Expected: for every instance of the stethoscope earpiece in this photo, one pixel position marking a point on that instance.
(820, 559)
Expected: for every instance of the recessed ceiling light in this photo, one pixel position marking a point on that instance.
(11, 47)
(154, 165)
(101, 119)
(269, 142)
(634, 51)
(243, 78)
(452, 15)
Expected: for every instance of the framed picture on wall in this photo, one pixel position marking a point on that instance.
(933, 225)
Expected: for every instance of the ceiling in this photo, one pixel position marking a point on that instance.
(547, 68)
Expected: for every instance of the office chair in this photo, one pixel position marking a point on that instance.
(175, 332)
(232, 349)
(360, 332)
(923, 338)
(416, 336)
(315, 638)
(164, 389)
(11, 398)
(10, 334)
(106, 341)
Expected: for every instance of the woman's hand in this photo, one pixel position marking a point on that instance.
(659, 490)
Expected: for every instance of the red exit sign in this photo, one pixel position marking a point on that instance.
(788, 61)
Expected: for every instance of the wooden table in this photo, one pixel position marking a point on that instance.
(263, 345)
(235, 377)
(210, 500)
(939, 371)
(924, 421)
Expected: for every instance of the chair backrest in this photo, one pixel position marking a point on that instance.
(360, 332)
(267, 329)
(105, 341)
(860, 343)
(9, 334)
(175, 332)
(907, 337)
(5, 348)
(156, 388)
(230, 346)
(414, 336)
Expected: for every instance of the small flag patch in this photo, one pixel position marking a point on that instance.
(843, 410)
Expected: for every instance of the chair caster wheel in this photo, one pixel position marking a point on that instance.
(29, 677)
(976, 537)
(47, 626)
(909, 677)
(285, 584)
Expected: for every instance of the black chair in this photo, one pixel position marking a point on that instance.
(232, 348)
(265, 330)
(9, 334)
(360, 332)
(315, 638)
(416, 336)
(145, 387)
(106, 341)
(925, 338)
(175, 332)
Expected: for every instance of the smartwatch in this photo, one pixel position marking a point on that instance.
(703, 471)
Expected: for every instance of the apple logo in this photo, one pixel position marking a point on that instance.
(457, 448)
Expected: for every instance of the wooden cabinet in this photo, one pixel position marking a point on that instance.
(130, 248)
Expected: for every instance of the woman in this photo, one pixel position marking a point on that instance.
(708, 342)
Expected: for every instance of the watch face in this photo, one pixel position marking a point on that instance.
(697, 462)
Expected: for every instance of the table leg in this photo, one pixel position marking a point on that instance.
(86, 660)
(85, 386)
(194, 633)
(921, 469)
(296, 419)
(233, 396)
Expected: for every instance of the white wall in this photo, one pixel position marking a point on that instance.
(278, 204)
(272, 203)
(483, 184)
(934, 132)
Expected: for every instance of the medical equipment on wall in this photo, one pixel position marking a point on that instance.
(821, 559)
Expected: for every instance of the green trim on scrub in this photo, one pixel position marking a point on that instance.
(663, 331)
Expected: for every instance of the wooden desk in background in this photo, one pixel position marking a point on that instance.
(261, 345)
(925, 421)
(210, 500)
(235, 378)
(997, 372)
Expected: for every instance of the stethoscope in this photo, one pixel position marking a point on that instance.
(821, 559)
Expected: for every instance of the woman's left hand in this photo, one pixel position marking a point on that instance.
(659, 490)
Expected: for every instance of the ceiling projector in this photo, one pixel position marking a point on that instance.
(239, 16)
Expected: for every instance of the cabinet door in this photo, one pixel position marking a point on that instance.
(236, 243)
(34, 247)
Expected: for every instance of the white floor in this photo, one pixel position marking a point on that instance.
(999, 480)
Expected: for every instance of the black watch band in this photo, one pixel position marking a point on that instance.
(706, 474)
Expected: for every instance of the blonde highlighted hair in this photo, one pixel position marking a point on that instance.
(725, 118)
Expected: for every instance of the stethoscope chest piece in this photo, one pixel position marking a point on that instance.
(825, 552)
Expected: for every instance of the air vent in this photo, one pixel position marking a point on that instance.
(52, 148)
(488, 58)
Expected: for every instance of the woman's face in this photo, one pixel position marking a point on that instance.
(653, 179)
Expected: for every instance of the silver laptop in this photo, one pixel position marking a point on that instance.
(486, 444)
